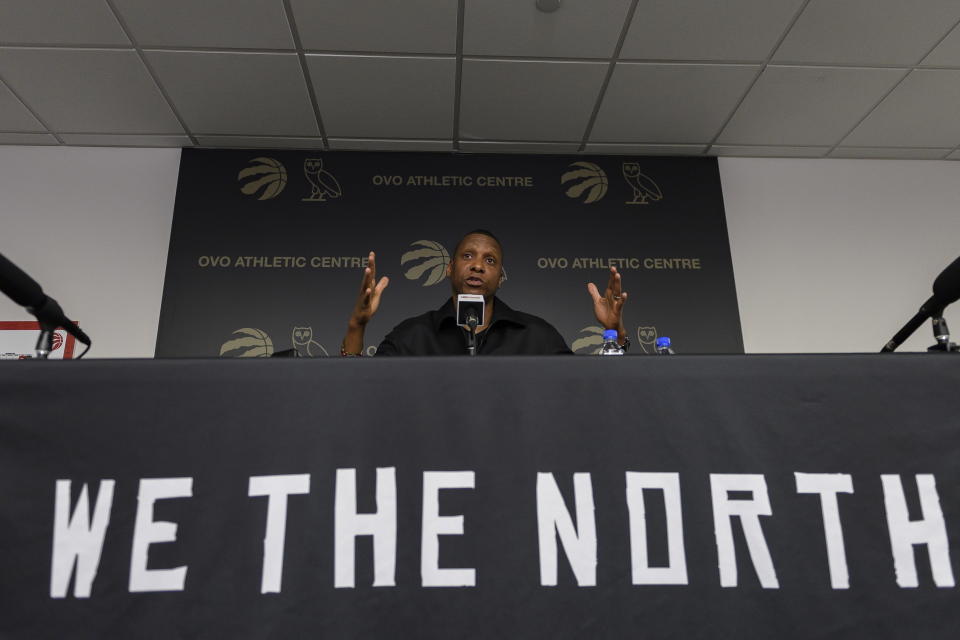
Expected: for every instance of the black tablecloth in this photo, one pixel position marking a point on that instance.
(755, 421)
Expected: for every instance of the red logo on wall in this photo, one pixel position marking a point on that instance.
(57, 341)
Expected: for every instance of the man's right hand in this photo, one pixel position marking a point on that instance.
(370, 291)
(367, 304)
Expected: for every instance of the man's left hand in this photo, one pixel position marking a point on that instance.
(609, 306)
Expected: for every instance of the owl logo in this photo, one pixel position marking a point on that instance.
(305, 345)
(590, 342)
(430, 259)
(252, 343)
(271, 181)
(585, 177)
(647, 337)
(322, 183)
(643, 187)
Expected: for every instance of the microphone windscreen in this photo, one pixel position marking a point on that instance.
(20, 287)
(946, 288)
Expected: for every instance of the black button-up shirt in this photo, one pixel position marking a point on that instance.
(436, 333)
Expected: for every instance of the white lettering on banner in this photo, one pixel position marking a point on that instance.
(277, 489)
(79, 530)
(147, 531)
(929, 530)
(382, 525)
(553, 521)
(676, 571)
(828, 485)
(77, 540)
(749, 512)
(435, 525)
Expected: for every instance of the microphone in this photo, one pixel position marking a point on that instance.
(470, 308)
(25, 291)
(946, 288)
(946, 291)
(18, 286)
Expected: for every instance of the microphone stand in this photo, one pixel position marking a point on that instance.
(930, 309)
(942, 335)
(472, 336)
(47, 316)
(946, 290)
(25, 291)
(44, 344)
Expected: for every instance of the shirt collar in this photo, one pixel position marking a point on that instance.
(501, 312)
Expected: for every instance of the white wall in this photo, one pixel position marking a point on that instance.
(829, 255)
(836, 255)
(92, 226)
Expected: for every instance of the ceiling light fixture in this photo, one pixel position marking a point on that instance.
(548, 6)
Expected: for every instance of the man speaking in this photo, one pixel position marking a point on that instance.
(475, 268)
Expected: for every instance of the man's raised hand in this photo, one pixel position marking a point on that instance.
(609, 306)
(368, 301)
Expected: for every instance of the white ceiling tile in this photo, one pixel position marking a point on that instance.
(868, 31)
(889, 152)
(210, 23)
(406, 102)
(368, 144)
(579, 29)
(697, 30)
(646, 149)
(472, 146)
(806, 105)
(241, 93)
(384, 96)
(947, 53)
(411, 26)
(528, 101)
(88, 90)
(14, 116)
(669, 103)
(746, 151)
(59, 22)
(27, 139)
(920, 112)
(110, 140)
(259, 142)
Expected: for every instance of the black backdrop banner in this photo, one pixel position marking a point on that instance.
(267, 247)
(688, 497)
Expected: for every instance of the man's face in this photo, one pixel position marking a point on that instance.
(476, 266)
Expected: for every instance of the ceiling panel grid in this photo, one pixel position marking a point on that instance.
(804, 78)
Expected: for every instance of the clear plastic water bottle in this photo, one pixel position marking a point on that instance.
(663, 346)
(610, 346)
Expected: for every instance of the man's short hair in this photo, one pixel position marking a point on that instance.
(482, 232)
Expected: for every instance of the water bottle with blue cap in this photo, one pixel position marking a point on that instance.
(663, 346)
(610, 346)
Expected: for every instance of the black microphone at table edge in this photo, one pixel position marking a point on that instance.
(946, 291)
(25, 291)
